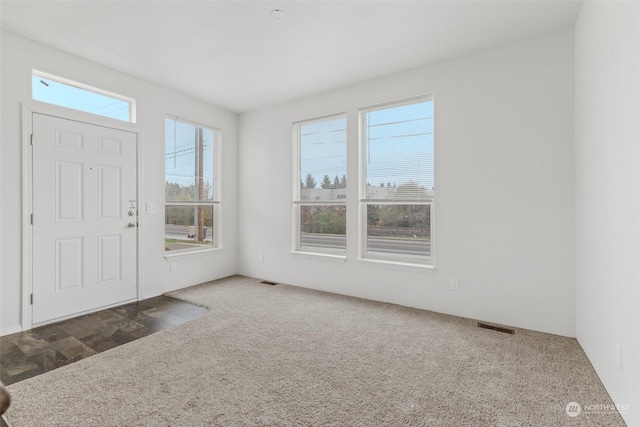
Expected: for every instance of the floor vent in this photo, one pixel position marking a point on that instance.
(266, 282)
(496, 328)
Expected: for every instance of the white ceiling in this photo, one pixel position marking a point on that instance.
(235, 55)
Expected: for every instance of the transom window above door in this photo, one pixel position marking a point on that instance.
(78, 96)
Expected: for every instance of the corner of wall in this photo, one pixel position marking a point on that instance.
(607, 196)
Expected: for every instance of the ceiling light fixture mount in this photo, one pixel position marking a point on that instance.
(277, 14)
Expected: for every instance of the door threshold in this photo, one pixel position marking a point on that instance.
(82, 313)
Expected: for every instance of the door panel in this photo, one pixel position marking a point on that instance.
(110, 258)
(84, 254)
(110, 192)
(68, 185)
(68, 263)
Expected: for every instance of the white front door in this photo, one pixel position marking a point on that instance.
(84, 217)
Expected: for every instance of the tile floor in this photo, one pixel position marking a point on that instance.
(34, 352)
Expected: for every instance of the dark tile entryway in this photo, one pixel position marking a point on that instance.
(34, 352)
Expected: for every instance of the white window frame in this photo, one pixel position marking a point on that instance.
(87, 88)
(296, 203)
(216, 243)
(363, 202)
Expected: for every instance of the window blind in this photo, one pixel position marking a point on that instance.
(323, 159)
(398, 144)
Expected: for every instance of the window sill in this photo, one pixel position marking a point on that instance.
(192, 253)
(398, 265)
(320, 255)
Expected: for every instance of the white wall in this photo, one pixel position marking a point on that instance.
(504, 189)
(19, 57)
(1, 204)
(607, 196)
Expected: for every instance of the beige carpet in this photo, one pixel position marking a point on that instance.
(286, 356)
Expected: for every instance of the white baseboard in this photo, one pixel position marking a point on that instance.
(10, 330)
(4, 422)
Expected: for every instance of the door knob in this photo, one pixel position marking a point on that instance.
(131, 225)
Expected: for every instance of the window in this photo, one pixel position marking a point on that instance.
(396, 191)
(191, 188)
(320, 185)
(66, 93)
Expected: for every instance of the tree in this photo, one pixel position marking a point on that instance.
(326, 182)
(373, 215)
(172, 190)
(323, 219)
(404, 216)
(324, 222)
(310, 181)
(199, 216)
(336, 182)
(343, 181)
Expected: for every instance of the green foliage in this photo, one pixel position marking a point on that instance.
(403, 216)
(399, 221)
(404, 221)
(310, 181)
(373, 215)
(188, 214)
(177, 193)
(324, 219)
(326, 182)
(185, 215)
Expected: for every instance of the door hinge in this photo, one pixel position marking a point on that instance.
(31, 139)
(31, 219)
(31, 299)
